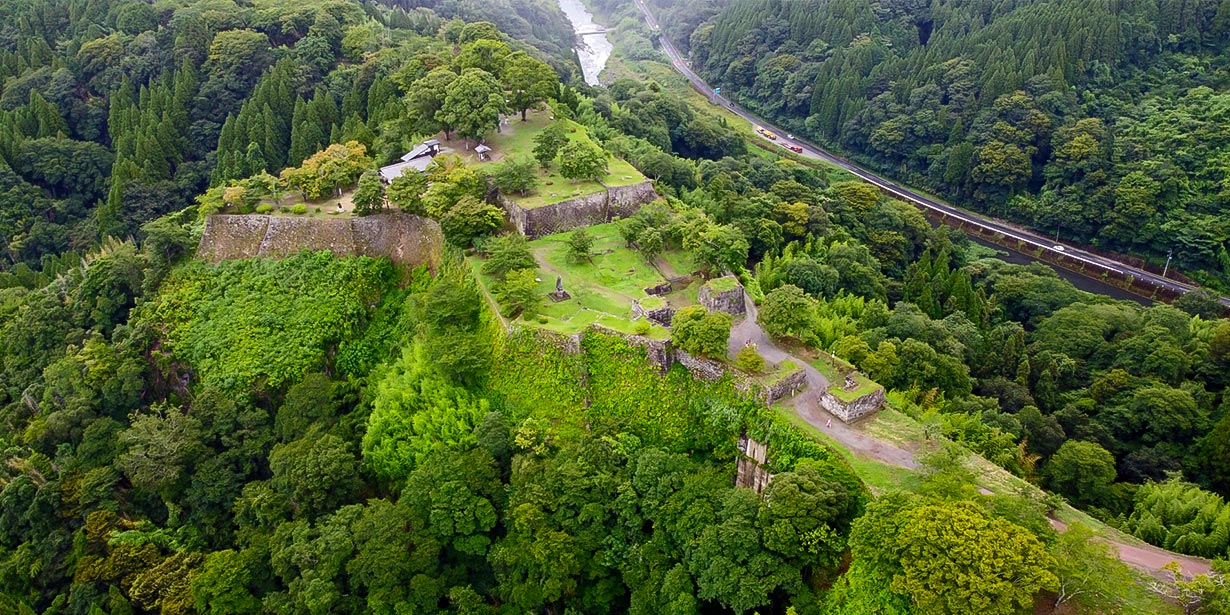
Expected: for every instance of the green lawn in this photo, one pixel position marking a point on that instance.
(681, 262)
(516, 140)
(722, 284)
(602, 289)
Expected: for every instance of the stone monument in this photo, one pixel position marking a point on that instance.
(560, 294)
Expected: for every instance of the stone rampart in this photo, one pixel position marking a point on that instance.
(614, 202)
(405, 239)
(729, 301)
(791, 384)
(700, 367)
(854, 409)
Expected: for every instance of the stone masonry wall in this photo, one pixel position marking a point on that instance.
(853, 410)
(614, 202)
(405, 239)
(791, 384)
(729, 301)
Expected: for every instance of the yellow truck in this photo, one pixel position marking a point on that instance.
(766, 134)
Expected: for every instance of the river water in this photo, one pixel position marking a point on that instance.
(593, 48)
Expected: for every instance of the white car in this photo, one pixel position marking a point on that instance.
(789, 136)
(1058, 248)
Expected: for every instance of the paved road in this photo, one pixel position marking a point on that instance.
(812, 151)
(1144, 557)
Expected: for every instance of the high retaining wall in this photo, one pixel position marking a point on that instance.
(614, 202)
(405, 239)
(729, 301)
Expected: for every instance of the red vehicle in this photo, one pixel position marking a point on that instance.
(796, 149)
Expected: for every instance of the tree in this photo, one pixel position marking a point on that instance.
(1082, 471)
(369, 196)
(508, 252)
(425, 97)
(582, 160)
(528, 80)
(954, 559)
(787, 311)
(696, 330)
(806, 516)
(406, 192)
(519, 292)
(469, 218)
(1088, 569)
(580, 244)
(317, 473)
(160, 448)
(719, 247)
(748, 360)
(516, 175)
(328, 171)
(472, 104)
(1201, 302)
(548, 143)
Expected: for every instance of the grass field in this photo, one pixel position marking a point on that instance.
(602, 289)
(516, 140)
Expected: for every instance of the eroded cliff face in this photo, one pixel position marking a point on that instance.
(405, 239)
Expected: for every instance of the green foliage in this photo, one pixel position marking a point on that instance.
(749, 360)
(406, 192)
(416, 413)
(1082, 471)
(786, 311)
(699, 331)
(580, 244)
(516, 175)
(369, 196)
(582, 160)
(263, 321)
(548, 143)
(506, 253)
(518, 293)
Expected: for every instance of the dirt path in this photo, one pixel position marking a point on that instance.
(806, 404)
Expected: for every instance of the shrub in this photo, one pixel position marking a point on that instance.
(749, 360)
(298, 209)
(699, 331)
(264, 208)
(641, 327)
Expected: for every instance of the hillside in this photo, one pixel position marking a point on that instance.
(1101, 123)
(379, 408)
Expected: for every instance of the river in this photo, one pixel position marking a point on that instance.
(593, 49)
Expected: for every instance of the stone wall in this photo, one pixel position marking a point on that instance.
(729, 301)
(662, 316)
(700, 367)
(855, 409)
(614, 202)
(657, 352)
(791, 384)
(405, 239)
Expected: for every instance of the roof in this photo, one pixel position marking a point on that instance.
(426, 148)
(397, 169)
(482, 149)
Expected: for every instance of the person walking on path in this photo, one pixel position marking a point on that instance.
(830, 423)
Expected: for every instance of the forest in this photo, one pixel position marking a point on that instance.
(341, 435)
(1098, 123)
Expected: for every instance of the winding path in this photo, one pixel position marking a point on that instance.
(1147, 558)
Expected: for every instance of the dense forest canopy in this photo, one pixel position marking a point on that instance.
(341, 435)
(1099, 122)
